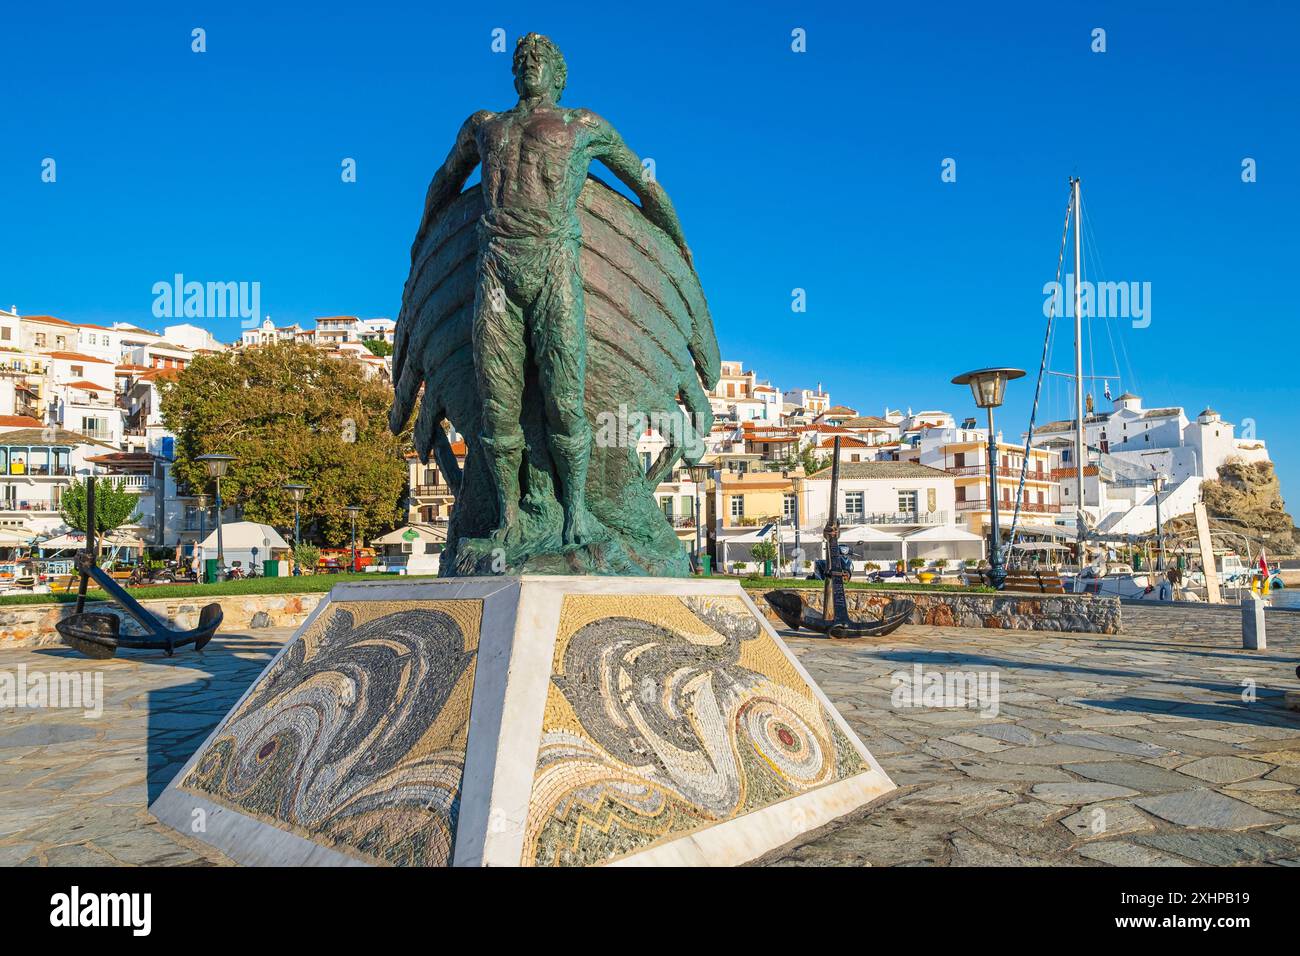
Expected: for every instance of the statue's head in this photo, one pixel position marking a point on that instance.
(539, 67)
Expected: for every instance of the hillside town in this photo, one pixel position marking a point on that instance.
(80, 399)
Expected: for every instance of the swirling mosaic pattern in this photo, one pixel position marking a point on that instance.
(665, 715)
(356, 736)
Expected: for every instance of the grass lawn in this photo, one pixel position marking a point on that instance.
(306, 584)
(758, 581)
(318, 583)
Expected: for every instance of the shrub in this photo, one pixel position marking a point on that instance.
(306, 555)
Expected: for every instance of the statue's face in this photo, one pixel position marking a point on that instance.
(535, 74)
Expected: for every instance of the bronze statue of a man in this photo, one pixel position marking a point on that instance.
(528, 301)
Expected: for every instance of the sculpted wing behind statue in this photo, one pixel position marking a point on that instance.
(651, 351)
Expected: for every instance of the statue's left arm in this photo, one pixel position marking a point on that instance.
(608, 146)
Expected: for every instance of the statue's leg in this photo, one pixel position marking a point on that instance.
(499, 356)
(559, 339)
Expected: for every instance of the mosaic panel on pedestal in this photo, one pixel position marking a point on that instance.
(665, 715)
(355, 737)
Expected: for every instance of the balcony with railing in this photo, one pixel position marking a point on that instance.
(137, 483)
(1026, 507)
(1003, 471)
(433, 491)
(888, 518)
(19, 504)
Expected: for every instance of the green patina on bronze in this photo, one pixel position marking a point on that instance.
(542, 309)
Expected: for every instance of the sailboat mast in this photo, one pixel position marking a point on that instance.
(1081, 455)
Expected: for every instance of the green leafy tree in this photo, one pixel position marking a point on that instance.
(114, 505)
(379, 347)
(763, 551)
(291, 413)
(807, 459)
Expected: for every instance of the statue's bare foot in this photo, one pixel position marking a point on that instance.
(508, 533)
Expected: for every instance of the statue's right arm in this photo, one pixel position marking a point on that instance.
(450, 178)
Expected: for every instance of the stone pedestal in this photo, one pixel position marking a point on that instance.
(534, 721)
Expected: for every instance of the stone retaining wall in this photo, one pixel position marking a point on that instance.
(32, 625)
(1014, 611)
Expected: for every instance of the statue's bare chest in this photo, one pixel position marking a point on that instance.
(541, 139)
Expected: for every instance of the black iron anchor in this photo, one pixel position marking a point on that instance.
(98, 634)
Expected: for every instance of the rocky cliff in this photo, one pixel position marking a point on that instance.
(1248, 493)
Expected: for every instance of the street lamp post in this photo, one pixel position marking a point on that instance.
(699, 475)
(217, 465)
(352, 510)
(988, 386)
(1158, 483)
(297, 491)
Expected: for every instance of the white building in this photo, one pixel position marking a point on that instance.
(160, 354)
(893, 511)
(268, 332)
(381, 330)
(812, 401)
(191, 337)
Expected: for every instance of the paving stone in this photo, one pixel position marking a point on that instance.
(1206, 809)
(882, 838)
(1075, 793)
(1047, 843)
(1138, 776)
(1107, 720)
(943, 748)
(1011, 773)
(146, 846)
(958, 799)
(968, 851)
(1031, 813)
(44, 734)
(1220, 849)
(1213, 733)
(1279, 801)
(1109, 743)
(1119, 853)
(1285, 775)
(1171, 762)
(1099, 820)
(1219, 769)
(1052, 754)
(971, 742)
(1261, 786)
(11, 854)
(77, 854)
(1007, 733)
(1290, 758)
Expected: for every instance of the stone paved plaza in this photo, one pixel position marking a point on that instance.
(1138, 749)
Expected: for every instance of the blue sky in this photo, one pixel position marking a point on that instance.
(818, 171)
